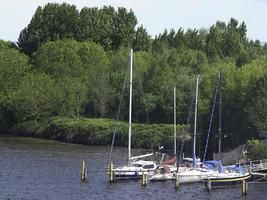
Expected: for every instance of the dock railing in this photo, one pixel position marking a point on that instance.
(254, 165)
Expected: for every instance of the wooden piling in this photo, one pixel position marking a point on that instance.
(83, 172)
(176, 181)
(244, 187)
(111, 173)
(144, 179)
(208, 185)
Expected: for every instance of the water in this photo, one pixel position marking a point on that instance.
(33, 169)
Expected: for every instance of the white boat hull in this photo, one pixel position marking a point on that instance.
(135, 170)
(185, 175)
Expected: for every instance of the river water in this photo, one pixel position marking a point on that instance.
(34, 169)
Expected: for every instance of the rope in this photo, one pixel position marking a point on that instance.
(117, 118)
(211, 117)
(256, 181)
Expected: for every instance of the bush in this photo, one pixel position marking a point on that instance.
(257, 149)
(100, 131)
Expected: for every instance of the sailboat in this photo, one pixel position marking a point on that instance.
(228, 175)
(135, 166)
(192, 173)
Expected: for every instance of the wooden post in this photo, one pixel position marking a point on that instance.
(176, 180)
(244, 187)
(208, 185)
(111, 173)
(144, 179)
(83, 172)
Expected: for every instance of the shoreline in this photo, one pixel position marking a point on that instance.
(97, 131)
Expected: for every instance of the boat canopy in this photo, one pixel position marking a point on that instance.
(214, 165)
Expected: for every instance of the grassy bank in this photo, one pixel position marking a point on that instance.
(98, 132)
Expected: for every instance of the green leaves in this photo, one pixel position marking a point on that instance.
(257, 150)
(36, 99)
(106, 26)
(52, 22)
(257, 107)
(72, 96)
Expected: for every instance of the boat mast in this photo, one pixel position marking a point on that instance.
(195, 125)
(130, 105)
(220, 115)
(174, 122)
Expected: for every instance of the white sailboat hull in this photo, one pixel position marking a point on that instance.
(185, 175)
(135, 170)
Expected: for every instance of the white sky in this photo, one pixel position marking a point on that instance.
(155, 15)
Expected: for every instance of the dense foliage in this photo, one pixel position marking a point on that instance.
(73, 64)
(257, 149)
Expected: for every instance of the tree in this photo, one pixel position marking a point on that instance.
(59, 59)
(124, 28)
(257, 107)
(97, 25)
(141, 40)
(13, 67)
(234, 39)
(214, 42)
(257, 149)
(72, 96)
(35, 100)
(96, 72)
(7, 45)
(52, 22)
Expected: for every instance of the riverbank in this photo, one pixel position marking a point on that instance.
(98, 132)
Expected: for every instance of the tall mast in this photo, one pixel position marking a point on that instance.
(130, 105)
(220, 115)
(195, 125)
(174, 121)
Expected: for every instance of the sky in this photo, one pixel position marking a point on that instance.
(155, 15)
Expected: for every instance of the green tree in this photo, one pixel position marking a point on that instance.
(97, 25)
(257, 107)
(7, 45)
(96, 72)
(257, 150)
(59, 59)
(214, 41)
(72, 96)
(13, 67)
(124, 28)
(52, 22)
(141, 40)
(35, 100)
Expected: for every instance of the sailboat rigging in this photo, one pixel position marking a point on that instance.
(227, 175)
(135, 166)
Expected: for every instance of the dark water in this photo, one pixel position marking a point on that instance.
(32, 169)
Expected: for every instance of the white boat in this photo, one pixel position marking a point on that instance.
(135, 170)
(226, 176)
(192, 170)
(136, 165)
(185, 174)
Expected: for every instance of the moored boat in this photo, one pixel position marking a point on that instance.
(226, 176)
(135, 165)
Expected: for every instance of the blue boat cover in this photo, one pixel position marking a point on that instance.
(214, 165)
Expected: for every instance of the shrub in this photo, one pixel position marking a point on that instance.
(256, 149)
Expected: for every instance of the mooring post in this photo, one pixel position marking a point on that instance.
(111, 173)
(244, 187)
(176, 181)
(144, 179)
(83, 172)
(208, 185)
